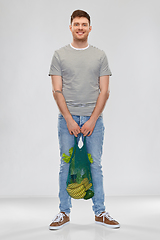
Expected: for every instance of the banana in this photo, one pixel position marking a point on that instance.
(85, 181)
(74, 185)
(78, 190)
(88, 186)
(75, 190)
(78, 195)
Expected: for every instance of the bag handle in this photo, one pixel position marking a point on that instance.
(75, 140)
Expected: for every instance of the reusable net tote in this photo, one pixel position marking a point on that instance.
(79, 182)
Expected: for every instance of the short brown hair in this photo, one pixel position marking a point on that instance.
(80, 13)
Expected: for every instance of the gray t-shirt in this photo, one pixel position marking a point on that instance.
(80, 71)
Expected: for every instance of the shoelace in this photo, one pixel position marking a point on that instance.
(106, 214)
(58, 217)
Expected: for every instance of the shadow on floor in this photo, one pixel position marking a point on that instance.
(69, 232)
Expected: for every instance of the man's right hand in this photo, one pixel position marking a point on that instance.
(73, 127)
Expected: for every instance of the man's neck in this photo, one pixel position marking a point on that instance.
(79, 44)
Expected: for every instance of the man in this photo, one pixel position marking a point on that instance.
(80, 84)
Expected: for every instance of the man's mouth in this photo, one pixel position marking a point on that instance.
(80, 33)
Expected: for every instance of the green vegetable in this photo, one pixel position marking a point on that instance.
(79, 177)
(70, 151)
(66, 158)
(90, 158)
(89, 194)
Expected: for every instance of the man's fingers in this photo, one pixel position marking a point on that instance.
(73, 127)
(89, 133)
(75, 132)
(86, 132)
(83, 130)
(72, 132)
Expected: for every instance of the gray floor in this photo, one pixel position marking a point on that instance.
(29, 218)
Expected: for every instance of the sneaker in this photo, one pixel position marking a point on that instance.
(105, 219)
(59, 221)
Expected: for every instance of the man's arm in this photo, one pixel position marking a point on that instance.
(72, 126)
(88, 127)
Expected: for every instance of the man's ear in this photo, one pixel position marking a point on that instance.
(70, 27)
(90, 28)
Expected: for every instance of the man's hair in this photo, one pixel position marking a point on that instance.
(80, 13)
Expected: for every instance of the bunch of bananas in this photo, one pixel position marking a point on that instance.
(78, 190)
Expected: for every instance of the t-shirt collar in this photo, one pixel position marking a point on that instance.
(79, 48)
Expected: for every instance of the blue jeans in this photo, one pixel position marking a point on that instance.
(94, 144)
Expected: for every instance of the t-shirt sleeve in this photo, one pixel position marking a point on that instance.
(55, 67)
(104, 69)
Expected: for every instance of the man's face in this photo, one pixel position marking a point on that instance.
(80, 28)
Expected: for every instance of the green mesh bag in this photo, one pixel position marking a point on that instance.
(79, 182)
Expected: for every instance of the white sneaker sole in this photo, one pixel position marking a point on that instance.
(54, 228)
(108, 225)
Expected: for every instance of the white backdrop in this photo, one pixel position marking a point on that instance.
(128, 31)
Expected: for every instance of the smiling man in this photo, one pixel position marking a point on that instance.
(80, 84)
(80, 29)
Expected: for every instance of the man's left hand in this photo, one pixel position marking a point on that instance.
(88, 127)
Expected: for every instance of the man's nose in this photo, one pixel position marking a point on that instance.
(80, 26)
